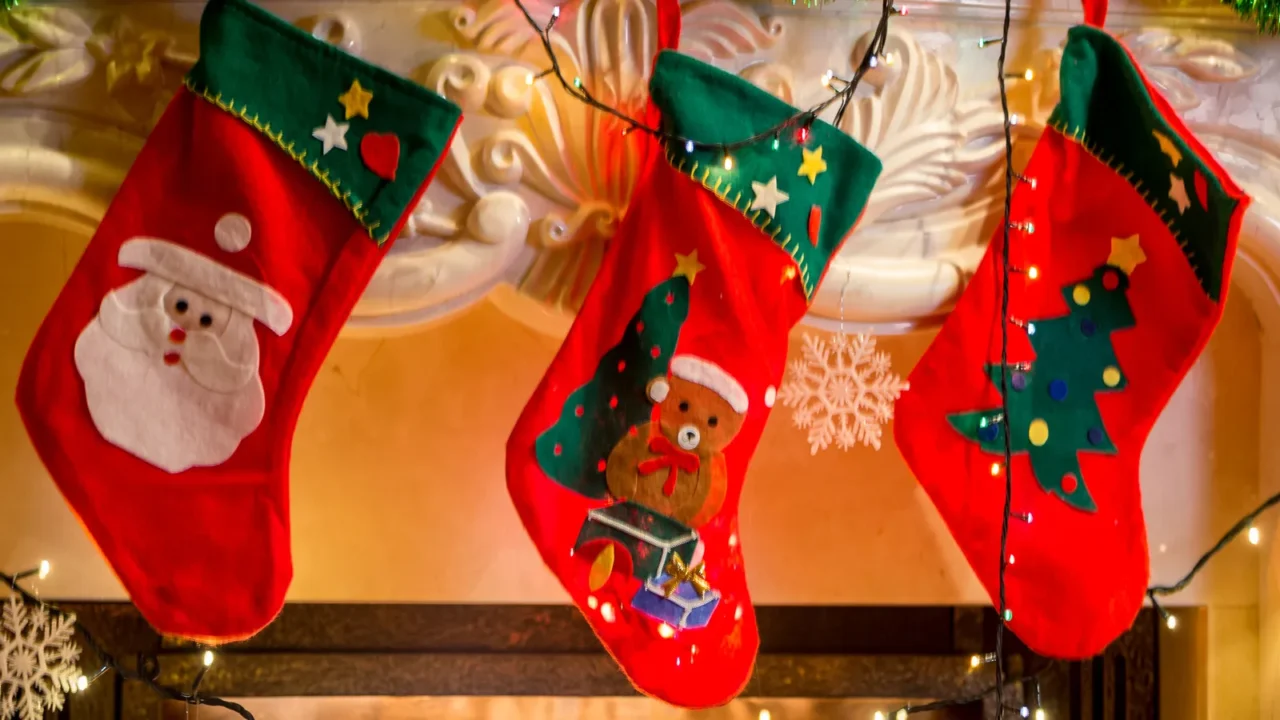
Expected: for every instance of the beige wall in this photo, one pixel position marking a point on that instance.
(398, 494)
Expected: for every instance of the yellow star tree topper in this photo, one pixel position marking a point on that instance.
(688, 266)
(1126, 254)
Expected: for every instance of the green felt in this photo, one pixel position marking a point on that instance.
(285, 83)
(1064, 352)
(712, 106)
(1106, 107)
(585, 441)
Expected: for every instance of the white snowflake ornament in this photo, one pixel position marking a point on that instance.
(842, 391)
(37, 660)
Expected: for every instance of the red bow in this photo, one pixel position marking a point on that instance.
(669, 456)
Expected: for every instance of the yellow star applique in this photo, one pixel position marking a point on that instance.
(356, 101)
(1126, 254)
(1168, 148)
(688, 266)
(813, 164)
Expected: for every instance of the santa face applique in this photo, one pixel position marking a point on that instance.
(170, 363)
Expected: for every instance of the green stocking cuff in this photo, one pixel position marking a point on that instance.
(1107, 108)
(372, 137)
(806, 196)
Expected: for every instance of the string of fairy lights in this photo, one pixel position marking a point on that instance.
(145, 668)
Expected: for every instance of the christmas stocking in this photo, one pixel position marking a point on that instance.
(1123, 235)
(627, 464)
(162, 389)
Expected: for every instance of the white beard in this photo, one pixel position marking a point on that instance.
(192, 413)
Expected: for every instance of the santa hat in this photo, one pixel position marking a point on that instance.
(707, 374)
(191, 269)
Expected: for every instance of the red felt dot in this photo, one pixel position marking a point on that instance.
(622, 365)
(613, 401)
(601, 465)
(655, 352)
(578, 411)
(1110, 281)
(1069, 483)
(633, 430)
(177, 336)
(640, 327)
(557, 450)
(670, 298)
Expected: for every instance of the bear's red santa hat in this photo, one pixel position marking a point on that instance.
(205, 275)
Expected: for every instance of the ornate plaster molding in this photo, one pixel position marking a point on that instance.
(531, 191)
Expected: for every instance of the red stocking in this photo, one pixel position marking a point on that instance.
(1124, 240)
(162, 389)
(627, 464)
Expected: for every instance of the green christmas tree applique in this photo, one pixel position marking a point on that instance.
(575, 450)
(1052, 411)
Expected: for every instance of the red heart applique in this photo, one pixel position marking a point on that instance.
(1202, 190)
(381, 154)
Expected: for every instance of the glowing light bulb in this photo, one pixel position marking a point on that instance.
(1008, 615)
(606, 612)
(766, 715)
(975, 661)
(1040, 714)
(577, 82)
(1033, 272)
(592, 602)
(1030, 517)
(1029, 74)
(1014, 119)
(45, 568)
(826, 78)
(528, 79)
(1011, 559)
(688, 146)
(902, 715)
(879, 715)
(728, 162)
(555, 11)
(1031, 328)
(208, 658)
(1171, 622)
(665, 631)
(776, 142)
(1025, 711)
(873, 61)
(1255, 537)
(995, 469)
(733, 539)
(737, 613)
(82, 683)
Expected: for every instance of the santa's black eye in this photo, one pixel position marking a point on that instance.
(180, 306)
(684, 407)
(206, 320)
(713, 421)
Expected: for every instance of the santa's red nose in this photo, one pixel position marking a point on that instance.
(177, 335)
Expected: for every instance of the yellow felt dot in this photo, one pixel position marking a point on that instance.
(1111, 376)
(1080, 294)
(1038, 433)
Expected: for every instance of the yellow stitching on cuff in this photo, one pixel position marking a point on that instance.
(289, 149)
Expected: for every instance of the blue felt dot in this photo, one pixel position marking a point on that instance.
(989, 432)
(1087, 328)
(1019, 381)
(1058, 389)
(1095, 436)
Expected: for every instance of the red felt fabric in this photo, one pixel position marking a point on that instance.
(1079, 578)
(203, 553)
(740, 312)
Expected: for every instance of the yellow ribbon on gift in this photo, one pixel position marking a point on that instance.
(678, 572)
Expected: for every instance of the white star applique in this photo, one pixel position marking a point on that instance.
(333, 134)
(1178, 193)
(768, 196)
